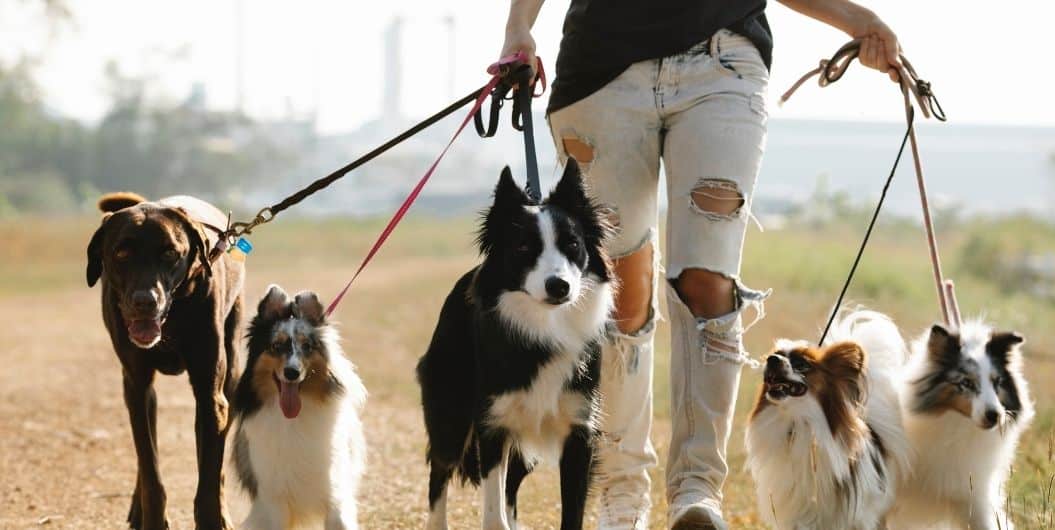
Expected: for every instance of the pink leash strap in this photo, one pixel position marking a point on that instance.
(497, 70)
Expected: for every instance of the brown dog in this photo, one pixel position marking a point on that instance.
(168, 309)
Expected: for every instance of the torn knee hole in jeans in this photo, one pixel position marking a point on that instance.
(721, 338)
(717, 199)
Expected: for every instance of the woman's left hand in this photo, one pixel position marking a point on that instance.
(879, 46)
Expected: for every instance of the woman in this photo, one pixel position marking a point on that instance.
(682, 81)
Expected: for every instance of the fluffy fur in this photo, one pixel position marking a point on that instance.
(966, 404)
(825, 442)
(511, 375)
(300, 461)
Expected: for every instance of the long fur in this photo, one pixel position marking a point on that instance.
(960, 465)
(302, 471)
(832, 457)
(510, 378)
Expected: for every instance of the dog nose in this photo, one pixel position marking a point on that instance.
(773, 362)
(557, 288)
(991, 416)
(144, 300)
(291, 373)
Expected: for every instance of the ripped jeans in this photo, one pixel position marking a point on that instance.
(703, 114)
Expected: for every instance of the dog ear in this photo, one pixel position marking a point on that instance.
(306, 306)
(275, 305)
(198, 243)
(846, 362)
(942, 346)
(95, 252)
(1003, 346)
(507, 198)
(570, 193)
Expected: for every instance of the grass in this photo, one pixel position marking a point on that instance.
(387, 321)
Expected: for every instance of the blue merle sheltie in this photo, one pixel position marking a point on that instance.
(299, 449)
(966, 404)
(510, 378)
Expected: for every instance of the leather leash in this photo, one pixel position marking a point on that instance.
(832, 70)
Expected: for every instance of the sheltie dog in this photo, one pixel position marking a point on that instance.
(510, 378)
(966, 404)
(826, 446)
(299, 449)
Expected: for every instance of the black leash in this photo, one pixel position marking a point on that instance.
(868, 234)
(522, 121)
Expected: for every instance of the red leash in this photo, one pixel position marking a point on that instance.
(497, 70)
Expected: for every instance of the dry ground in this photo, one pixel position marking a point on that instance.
(67, 456)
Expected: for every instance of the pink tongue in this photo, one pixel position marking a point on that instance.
(144, 330)
(289, 399)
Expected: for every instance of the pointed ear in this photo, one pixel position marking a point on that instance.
(306, 306)
(570, 193)
(508, 197)
(507, 192)
(95, 252)
(942, 347)
(275, 304)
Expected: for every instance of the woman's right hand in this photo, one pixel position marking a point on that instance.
(519, 39)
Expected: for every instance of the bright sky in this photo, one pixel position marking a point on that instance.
(988, 62)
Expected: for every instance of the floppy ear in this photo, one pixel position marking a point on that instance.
(1003, 345)
(198, 242)
(507, 198)
(95, 252)
(275, 304)
(306, 305)
(846, 362)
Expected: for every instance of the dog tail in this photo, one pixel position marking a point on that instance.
(876, 333)
(111, 202)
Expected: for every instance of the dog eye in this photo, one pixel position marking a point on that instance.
(999, 380)
(573, 246)
(967, 385)
(169, 255)
(523, 248)
(799, 364)
(122, 254)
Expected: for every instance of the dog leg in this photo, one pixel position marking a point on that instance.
(209, 382)
(438, 478)
(148, 500)
(576, 463)
(265, 515)
(494, 463)
(517, 471)
(343, 516)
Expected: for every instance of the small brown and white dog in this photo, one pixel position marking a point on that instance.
(826, 446)
(966, 404)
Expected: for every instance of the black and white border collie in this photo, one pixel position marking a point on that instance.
(299, 449)
(510, 378)
(966, 405)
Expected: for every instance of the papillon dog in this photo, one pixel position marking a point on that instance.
(826, 446)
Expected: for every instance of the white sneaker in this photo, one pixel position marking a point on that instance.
(620, 509)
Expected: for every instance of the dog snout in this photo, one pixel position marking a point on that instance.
(991, 417)
(557, 288)
(145, 301)
(291, 373)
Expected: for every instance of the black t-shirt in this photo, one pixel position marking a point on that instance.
(604, 37)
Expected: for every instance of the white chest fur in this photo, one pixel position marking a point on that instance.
(541, 416)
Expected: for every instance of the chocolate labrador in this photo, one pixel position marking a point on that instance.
(168, 309)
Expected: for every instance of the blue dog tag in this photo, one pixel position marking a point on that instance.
(241, 249)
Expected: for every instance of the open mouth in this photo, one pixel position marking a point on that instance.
(288, 396)
(778, 386)
(145, 332)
